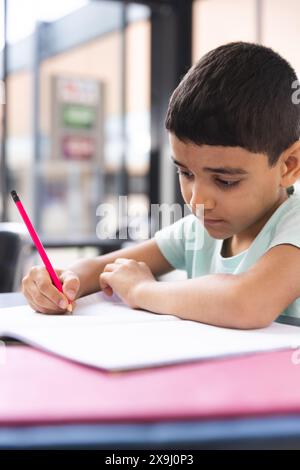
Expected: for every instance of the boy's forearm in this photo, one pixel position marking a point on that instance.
(212, 299)
(88, 271)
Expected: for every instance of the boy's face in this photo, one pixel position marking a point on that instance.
(237, 187)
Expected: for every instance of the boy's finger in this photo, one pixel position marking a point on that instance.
(42, 301)
(108, 291)
(110, 267)
(71, 284)
(44, 310)
(48, 291)
(104, 284)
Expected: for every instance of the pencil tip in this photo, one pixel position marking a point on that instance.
(70, 308)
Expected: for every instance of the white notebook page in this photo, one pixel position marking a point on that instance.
(103, 332)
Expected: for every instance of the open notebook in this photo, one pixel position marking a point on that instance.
(103, 332)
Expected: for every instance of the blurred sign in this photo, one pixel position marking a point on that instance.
(78, 148)
(77, 119)
(76, 90)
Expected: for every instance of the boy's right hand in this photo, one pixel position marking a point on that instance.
(43, 296)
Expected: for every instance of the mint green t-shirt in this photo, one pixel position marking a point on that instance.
(187, 245)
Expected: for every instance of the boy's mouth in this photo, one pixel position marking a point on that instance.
(213, 221)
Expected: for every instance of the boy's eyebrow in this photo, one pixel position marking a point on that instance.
(226, 170)
(176, 162)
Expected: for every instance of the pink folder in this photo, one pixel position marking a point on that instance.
(40, 388)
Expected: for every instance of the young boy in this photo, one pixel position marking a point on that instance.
(234, 132)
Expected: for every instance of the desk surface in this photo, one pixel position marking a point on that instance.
(51, 423)
(12, 299)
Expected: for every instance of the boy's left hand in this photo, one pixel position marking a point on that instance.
(123, 276)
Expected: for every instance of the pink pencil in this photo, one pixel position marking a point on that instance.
(38, 244)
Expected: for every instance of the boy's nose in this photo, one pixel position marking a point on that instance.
(206, 201)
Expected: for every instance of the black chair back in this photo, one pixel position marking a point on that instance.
(15, 249)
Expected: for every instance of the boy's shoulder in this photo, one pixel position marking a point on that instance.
(289, 208)
(185, 230)
(285, 222)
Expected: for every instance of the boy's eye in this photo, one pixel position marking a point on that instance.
(227, 183)
(186, 174)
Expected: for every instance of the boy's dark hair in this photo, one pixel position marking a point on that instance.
(239, 94)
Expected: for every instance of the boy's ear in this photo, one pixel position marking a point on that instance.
(290, 165)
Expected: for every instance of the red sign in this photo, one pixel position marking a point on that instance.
(78, 148)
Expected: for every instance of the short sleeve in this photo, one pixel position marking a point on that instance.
(171, 242)
(287, 230)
